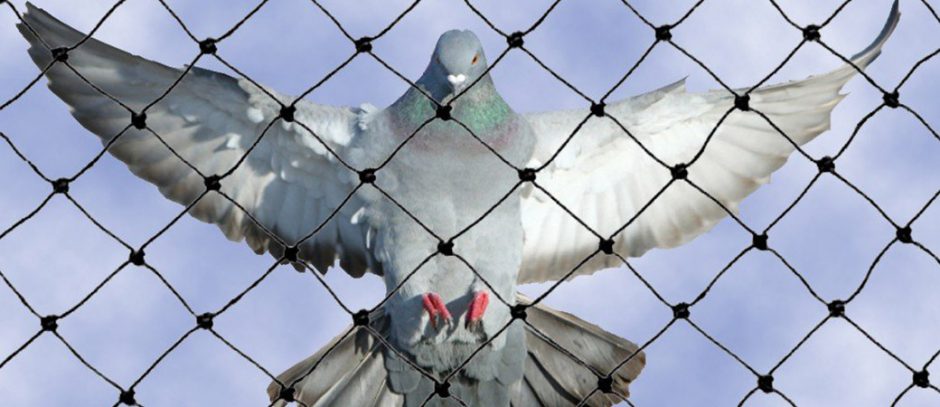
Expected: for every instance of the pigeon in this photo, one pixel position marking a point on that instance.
(450, 196)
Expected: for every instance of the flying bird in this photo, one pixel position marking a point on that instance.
(270, 169)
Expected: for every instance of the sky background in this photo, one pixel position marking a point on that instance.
(759, 309)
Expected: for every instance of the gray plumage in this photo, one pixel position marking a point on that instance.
(552, 376)
(446, 179)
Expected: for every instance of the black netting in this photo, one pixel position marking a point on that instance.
(682, 312)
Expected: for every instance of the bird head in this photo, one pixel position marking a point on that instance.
(457, 62)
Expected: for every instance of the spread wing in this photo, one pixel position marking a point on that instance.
(289, 183)
(606, 178)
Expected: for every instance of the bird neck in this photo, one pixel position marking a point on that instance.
(480, 108)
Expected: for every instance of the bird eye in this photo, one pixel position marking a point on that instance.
(475, 59)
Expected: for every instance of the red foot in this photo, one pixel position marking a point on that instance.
(477, 307)
(435, 308)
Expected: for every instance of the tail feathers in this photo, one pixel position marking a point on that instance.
(567, 356)
(362, 387)
(564, 358)
(349, 370)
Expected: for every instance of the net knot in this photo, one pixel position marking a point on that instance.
(446, 248)
(826, 164)
(60, 54)
(742, 102)
(663, 33)
(515, 40)
(290, 253)
(765, 383)
(367, 176)
(836, 308)
(518, 311)
(443, 112)
(212, 182)
(49, 323)
(286, 394)
(204, 321)
(127, 397)
(760, 241)
(891, 99)
(442, 389)
(287, 113)
(139, 120)
(137, 257)
(527, 175)
(922, 378)
(679, 171)
(207, 46)
(605, 384)
(364, 44)
(606, 246)
(60, 186)
(361, 318)
(904, 234)
(681, 310)
(811, 32)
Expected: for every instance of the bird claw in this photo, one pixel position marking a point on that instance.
(441, 321)
(474, 325)
(478, 304)
(437, 311)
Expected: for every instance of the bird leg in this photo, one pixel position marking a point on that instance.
(436, 309)
(476, 309)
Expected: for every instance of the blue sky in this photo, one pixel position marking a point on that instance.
(758, 309)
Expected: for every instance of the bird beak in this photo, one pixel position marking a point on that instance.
(456, 80)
